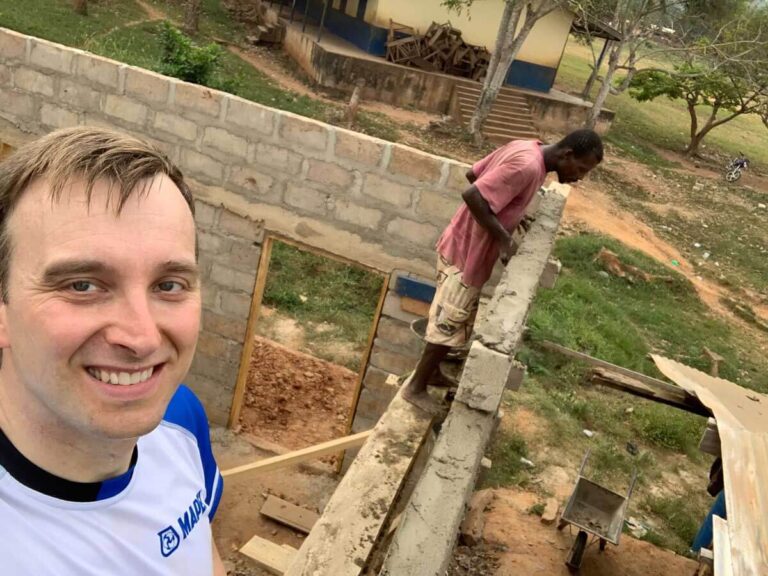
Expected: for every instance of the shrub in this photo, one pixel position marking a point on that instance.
(183, 59)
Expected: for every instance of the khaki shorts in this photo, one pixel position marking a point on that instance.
(453, 310)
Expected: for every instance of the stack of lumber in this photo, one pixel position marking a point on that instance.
(440, 49)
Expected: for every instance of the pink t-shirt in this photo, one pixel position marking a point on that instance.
(507, 178)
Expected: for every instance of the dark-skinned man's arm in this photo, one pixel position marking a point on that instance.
(483, 215)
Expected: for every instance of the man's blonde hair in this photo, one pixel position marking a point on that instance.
(84, 152)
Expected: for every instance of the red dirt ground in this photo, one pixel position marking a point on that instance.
(293, 399)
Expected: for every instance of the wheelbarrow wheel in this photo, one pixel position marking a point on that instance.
(577, 552)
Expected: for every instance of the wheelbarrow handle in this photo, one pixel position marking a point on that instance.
(584, 462)
(632, 484)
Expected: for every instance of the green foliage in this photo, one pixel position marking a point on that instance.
(683, 516)
(507, 469)
(316, 289)
(537, 509)
(668, 427)
(183, 59)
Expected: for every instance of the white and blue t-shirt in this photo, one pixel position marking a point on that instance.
(153, 520)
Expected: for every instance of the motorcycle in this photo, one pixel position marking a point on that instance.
(735, 166)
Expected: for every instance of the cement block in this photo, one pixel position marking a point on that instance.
(31, 80)
(79, 96)
(438, 208)
(57, 117)
(358, 148)
(250, 116)
(415, 164)
(233, 279)
(197, 98)
(398, 333)
(51, 56)
(213, 243)
(240, 226)
(209, 296)
(202, 166)
(205, 214)
(385, 190)
(243, 255)
(125, 109)
(392, 308)
(277, 158)
(255, 182)
(231, 328)
(353, 213)
(375, 378)
(214, 368)
(217, 346)
(235, 304)
(391, 361)
(329, 174)
(16, 105)
(457, 177)
(146, 86)
(98, 70)
(5, 76)
(175, 126)
(308, 199)
(373, 403)
(416, 232)
(215, 395)
(534, 204)
(303, 132)
(551, 272)
(485, 376)
(13, 46)
(226, 142)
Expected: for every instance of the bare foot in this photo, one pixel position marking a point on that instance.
(421, 400)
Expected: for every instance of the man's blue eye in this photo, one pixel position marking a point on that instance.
(81, 286)
(170, 286)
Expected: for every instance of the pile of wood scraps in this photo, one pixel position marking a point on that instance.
(440, 49)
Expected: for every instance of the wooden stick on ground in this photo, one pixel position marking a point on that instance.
(297, 456)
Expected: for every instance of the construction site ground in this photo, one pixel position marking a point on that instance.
(677, 212)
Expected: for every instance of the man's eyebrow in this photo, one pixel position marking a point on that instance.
(181, 267)
(66, 268)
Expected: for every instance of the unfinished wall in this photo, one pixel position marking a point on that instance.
(253, 169)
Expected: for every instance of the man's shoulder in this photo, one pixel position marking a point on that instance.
(186, 411)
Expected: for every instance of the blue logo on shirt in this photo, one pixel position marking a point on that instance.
(169, 538)
(169, 541)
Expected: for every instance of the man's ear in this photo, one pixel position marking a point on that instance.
(4, 336)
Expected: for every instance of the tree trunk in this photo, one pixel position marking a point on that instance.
(192, 16)
(595, 71)
(613, 63)
(81, 7)
(694, 120)
(509, 17)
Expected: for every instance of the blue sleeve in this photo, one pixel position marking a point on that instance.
(187, 411)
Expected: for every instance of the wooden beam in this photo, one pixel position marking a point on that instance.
(297, 456)
(343, 539)
(289, 514)
(721, 547)
(677, 399)
(274, 558)
(645, 379)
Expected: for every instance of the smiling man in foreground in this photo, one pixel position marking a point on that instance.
(105, 460)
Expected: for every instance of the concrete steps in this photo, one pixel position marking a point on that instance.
(510, 117)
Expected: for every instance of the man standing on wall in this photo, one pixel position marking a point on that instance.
(105, 460)
(501, 186)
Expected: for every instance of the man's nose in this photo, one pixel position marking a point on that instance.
(133, 326)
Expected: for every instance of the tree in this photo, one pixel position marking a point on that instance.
(509, 40)
(720, 80)
(81, 7)
(192, 16)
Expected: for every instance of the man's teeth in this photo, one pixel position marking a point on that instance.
(121, 378)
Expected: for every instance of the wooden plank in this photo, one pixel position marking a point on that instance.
(679, 399)
(342, 540)
(648, 380)
(289, 514)
(272, 557)
(297, 456)
(250, 331)
(721, 544)
(742, 423)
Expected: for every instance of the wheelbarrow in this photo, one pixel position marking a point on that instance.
(594, 510)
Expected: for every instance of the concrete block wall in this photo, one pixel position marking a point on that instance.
(370, 201)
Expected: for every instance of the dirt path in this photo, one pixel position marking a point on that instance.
(526, 546)
(153, 13)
